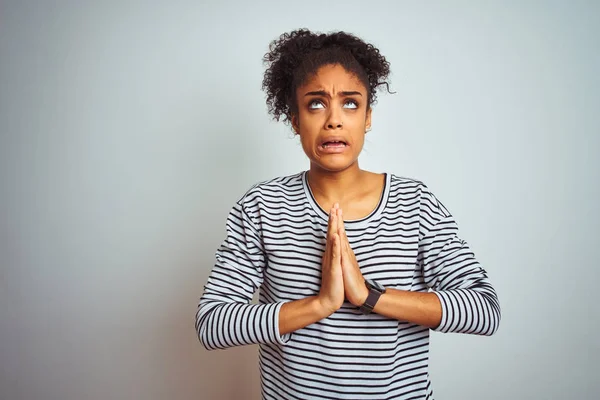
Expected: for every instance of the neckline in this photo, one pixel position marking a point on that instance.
(353, 222)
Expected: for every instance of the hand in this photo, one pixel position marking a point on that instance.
(331, 295)
(354, 283)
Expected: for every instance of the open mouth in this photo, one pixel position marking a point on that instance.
(334, 144)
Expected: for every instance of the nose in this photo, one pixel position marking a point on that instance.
(334, 120)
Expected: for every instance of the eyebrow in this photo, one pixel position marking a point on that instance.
(325, 94)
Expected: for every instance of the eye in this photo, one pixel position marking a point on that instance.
(315, 104)
(350, 104)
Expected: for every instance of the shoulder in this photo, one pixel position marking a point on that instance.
(281, 187)
(408, 187)
(417, 191)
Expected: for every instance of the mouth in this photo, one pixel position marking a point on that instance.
(334, 144)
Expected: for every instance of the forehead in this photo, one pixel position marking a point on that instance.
(334, 78)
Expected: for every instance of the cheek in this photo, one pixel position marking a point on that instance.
(359, 142)
(310, 127)
(309, 119)
(306, 142)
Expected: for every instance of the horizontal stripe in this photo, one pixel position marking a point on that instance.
(275, 242)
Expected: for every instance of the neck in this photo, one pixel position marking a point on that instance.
(335, 187)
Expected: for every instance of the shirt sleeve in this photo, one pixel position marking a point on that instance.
(225, 317)
(469, 301)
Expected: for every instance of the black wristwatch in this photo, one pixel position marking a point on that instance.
(375, 291)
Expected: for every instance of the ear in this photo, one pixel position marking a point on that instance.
(295, 124)
(368, 119)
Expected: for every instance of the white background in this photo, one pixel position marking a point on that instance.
(129, 129)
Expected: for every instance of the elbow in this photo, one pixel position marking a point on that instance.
(488, 306)
(490, 330)
(496, 323)
(204, 341)
(483, 318)
(492, 318)
(202, 331)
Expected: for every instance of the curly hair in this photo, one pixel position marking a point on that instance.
(296, 56)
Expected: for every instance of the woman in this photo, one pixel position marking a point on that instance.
(348, 295)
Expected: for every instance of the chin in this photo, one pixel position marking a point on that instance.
(338, 166)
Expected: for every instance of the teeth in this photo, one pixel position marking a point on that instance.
(334, 142)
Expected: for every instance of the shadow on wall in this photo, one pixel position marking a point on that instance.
(218, 374)
(232, 373)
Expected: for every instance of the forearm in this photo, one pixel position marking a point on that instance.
(469, 301)
(421, 308)
(298, 314)
(458, 310)
(473, 310)
(222, 324)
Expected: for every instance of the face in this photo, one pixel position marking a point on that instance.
(332, 118)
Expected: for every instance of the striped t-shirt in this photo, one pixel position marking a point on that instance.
(276, 235)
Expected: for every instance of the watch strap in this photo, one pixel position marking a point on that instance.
(375, 292)
(372, 299)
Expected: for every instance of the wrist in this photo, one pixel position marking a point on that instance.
(375, 291)
(361, 297)
(321, 309)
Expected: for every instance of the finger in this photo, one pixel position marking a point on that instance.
(328, 236)
(340, 221)
(341, 226)
(332, 227)
(342, 232)
(330, 231)
(336, 251)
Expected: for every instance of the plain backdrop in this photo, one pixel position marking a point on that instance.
(129, 129)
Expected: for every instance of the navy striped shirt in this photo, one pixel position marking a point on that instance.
(276, 235)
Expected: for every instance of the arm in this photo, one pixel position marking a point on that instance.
(468, 300)
(301, 313)
(463, 300)
(298, 314)
(417, 307)
(225, 317)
